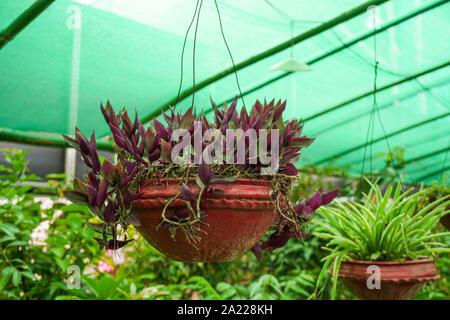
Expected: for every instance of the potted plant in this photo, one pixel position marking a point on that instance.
(198, 190)
(382, 248)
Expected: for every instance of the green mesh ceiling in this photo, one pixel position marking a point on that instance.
(55, 73)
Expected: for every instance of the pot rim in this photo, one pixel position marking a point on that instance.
(425, 270)
(247, 181)
(389, 263)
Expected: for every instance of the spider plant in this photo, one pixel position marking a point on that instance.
(387, 227)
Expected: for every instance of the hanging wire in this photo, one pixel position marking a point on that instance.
(193, 53)
(284, 15)
(375, 110)
(446, 155)
(182, 53)
(197, 11)
(441, 100)
(370, 128)
(229, 52)
(292, 38)
(375, 103)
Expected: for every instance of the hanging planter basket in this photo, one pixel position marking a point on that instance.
(398, 280)
(237, 218)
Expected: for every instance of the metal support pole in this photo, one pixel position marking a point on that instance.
(31, 13)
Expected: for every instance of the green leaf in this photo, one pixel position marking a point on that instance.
(17, 243)
(16, 277)
(9, 229)
(76, 197)
(6, 275)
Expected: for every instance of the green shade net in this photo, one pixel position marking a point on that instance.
(76, 54)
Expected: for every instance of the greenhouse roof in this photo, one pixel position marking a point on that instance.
(68, 56)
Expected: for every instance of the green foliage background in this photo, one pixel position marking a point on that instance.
(39, 271)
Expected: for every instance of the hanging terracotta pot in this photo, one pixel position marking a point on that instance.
(237, 218)
(398, 280)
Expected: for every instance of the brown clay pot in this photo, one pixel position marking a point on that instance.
(236, 219)
(399, 280)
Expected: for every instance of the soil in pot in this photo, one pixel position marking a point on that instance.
(398, 280)
(236, 219)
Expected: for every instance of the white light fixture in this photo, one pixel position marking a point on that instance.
(291, 64)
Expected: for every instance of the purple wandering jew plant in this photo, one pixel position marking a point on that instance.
(109, 189)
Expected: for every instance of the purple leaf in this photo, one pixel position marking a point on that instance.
(80, 186)
(104, 112)
(117, 244)
(154, 156)
(101, 194)
(93, 154)
(110, 172)
(316, 200)
(231, 110)
(129, 165)
(276, 242)
(86, 160)
(302, 142)
(187, 194)
(278, 112)
(129, 177)
(308, 206)
(72, 142)
(154, 145)
(328, 197)
(204, 173)
(136, 122)
(82, 141)
(159, 127)
(93, 180)
(92, 195)
(109, 214)
(290, 170)
(130, 198)
(166, 150)
(257, 251)
(203, 216)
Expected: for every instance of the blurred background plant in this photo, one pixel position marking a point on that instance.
(41, 235)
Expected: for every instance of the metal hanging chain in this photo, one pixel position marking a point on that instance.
(229, 52)
(182, 53)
